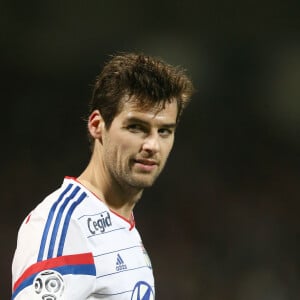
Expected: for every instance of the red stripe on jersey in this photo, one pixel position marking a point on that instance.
(74, 259)
(131, 221)
(28, 218)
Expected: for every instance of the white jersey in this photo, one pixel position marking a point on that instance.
(73, 247)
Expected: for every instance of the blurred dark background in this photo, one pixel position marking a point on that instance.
(222, 222)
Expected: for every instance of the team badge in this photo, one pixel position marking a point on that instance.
(142, 291)
(48, 285)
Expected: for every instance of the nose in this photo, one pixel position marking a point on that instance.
(151, 144)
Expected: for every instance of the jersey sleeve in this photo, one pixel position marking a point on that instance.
(52, 260)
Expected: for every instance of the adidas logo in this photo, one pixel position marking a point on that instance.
(120, 265)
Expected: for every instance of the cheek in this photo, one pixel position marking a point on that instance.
(129, 142)
(122, 147)
(167, 148)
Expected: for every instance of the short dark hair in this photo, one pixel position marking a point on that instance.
(150, 80)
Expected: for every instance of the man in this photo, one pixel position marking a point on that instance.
(81, 241)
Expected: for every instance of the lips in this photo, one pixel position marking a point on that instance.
(147, 162)
(146, 165)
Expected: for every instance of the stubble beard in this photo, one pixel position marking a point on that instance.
(132, 180)
(139, 180)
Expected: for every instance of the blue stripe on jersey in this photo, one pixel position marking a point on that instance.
(88, 269)
(49, 221)
(67, 222)
(57, 221)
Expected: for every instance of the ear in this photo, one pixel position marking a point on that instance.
(95, 124)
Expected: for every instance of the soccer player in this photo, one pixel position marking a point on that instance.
(81, 242)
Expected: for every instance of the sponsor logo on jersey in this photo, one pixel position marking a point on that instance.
(142, 291)
(98, 224)
(120, 265)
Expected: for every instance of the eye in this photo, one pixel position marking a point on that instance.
(135, 128)
(165, 132)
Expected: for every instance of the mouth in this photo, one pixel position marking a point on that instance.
(146, 162)
(146, 165)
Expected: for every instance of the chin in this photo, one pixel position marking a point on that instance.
(141, 181)
(141, 184)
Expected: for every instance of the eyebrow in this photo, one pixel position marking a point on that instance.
(138, 120)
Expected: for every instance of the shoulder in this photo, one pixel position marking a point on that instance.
(61, 203)
(51, 237)
(47, 227)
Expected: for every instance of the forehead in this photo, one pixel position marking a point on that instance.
(164, 112)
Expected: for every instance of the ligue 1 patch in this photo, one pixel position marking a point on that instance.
(48, 285)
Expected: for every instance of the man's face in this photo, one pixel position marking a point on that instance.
(138, 143)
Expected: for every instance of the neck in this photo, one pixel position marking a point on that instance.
(117, 198)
